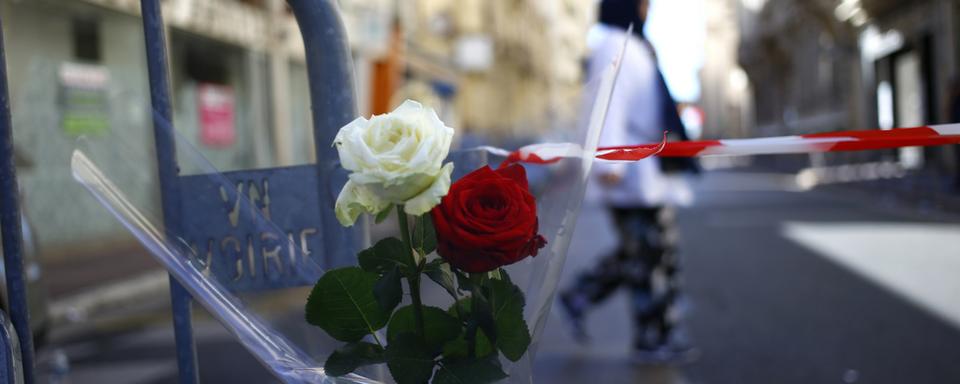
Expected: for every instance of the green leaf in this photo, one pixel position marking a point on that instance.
(383, 215)
(439, 327)
(342, 304)
(463, 281)
(424, 235)
(460, 308)
(388, 290)
(459, 347)
(440, 272)
(387, 254)
(483, 318)
(476, 371)
(349, 357)
(409, 360)
(506, 305)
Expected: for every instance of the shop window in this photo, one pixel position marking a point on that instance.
(203, 65)
(86, 40)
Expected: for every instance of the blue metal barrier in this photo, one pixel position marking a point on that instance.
(11, 361)
(197, 209)
(164, 141)
(12, 238)
(333, 103)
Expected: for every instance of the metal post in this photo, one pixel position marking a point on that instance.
(11, 231)
(333, 103)
(168, 170)
(11, 362)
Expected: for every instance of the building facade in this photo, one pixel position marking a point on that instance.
(516, 66)
(500, 70)
(827, 65)
(78, 79)
(725, 97)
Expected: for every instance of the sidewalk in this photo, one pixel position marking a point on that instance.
(66, 276)
(103, 289)
(923, 190)
(606, 358)
(777, 291)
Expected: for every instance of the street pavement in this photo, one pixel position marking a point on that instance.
(783, 286)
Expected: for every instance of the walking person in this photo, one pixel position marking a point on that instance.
(638, 195)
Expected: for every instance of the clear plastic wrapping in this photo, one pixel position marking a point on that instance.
(251, 266)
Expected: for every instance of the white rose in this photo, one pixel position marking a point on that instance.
(396, 158)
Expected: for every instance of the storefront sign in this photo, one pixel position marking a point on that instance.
(84, 99)
(368, 25)
(215, 106)
(474, 53)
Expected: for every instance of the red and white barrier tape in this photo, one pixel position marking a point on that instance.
(822, 142)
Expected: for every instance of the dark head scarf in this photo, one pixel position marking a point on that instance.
(622, 13)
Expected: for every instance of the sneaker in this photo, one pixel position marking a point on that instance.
(574, 318)
(678, 353)
(643, 356)
(665, 356)
(673, 352)
(644, 352)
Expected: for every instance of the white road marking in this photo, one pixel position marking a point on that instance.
(917, 261)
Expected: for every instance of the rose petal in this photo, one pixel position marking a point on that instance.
(431, 197)
(355, 199)
(488, 220)
(517, 173)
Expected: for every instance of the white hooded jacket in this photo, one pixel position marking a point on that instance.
(633, 118)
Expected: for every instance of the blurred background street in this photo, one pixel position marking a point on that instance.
(838, 284)
(769, 302)
(821, 268)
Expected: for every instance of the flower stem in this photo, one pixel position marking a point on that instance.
(414, 279)
(471, 336)
(472, 332)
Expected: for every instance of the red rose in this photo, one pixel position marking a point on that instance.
(488, 220)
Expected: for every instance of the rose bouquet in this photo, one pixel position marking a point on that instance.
(458, 293)
(457, 236)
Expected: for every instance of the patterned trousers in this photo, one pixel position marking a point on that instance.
(646, 264)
